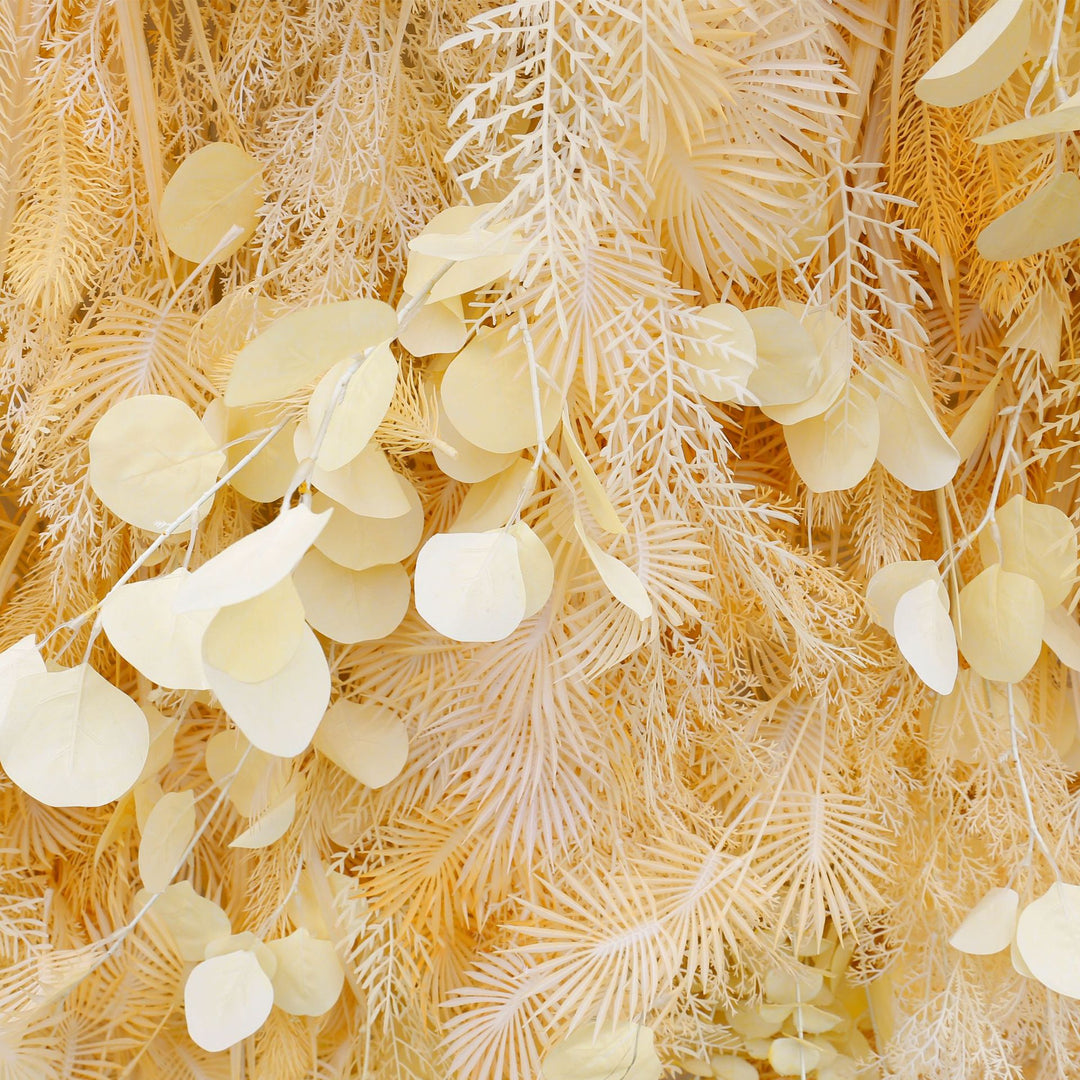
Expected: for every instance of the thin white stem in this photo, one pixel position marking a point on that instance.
(1034, 833)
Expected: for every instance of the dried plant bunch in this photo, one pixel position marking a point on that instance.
(540, 540)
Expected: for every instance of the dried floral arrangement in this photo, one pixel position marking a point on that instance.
(539, 540)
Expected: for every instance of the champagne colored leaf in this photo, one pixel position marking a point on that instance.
(145, 630)
(226, 999)
(624, 1050)
(254, 563)
(304, 345)
(434, 328)
(794, 1057)
(1037, 540)
(968, 435)
(596, 498)
(260, 780)
(279, 715)
(268, 475)
(162, 739)
(309, 976)
(988, 52)
(621, 581)
(470, 464)
(255, 639)
(912, 445)
(1046, 219)
(215, 188)
(245, 941)
(537, 569)
(784, 987)
(349, 605)
(168, 831)
(990, 925)
(22, 658)
(151, 458)
(835, 450)
(491, 503)
(925, 636)
(70, 738)
(469, 586)
(730, 1067)
(832, 338)
(367, 486)
(1048, 938)
(1001, 621)
(721, 353)
(360, 543)
(191, 919)
(1062, 634)
(367, 741)
(1065, 117)
(487, 393)
(360, 411)
(269, 827)
(480, 256)
(789, 365)
(884, 589)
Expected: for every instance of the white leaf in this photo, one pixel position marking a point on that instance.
(22, 658)
(254, 563)
(884, 589)
(73, 739)
(621, 581)
(166, 835)
(469, 586)
(988, 52)
(245, 941)
(145, 630)
(491, 503)
(304, 345)
(253, 640)
(624, 1051)
(989, 926)
(368, 741)
(360, 411)
(1001, 621)
(360, 543)
(912, 444)
(352, 605)
(1046, 219)
(1048, 938)
(270, 826)
(151, 458)
(226, 999)
(280, 714)
(309, 976)
(487, 392)
(191, 919)
(789, 365)
(215, 188)
(925, 636)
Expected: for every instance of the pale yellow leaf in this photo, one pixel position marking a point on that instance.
(215, 188)
(1062, 634)
(789, 367)
(352, 605)
(245, 941)
(304, 345)
(1001, 621)
(624, 1050)
(151, 458)
(309, 976)
(537, 569)
(279, 715)
(487, 393)
(168, 831)
(990, 925)
(70, 738)
(360, 543)
(469, 464)
(226, 999)
(969, 433)
(22, 658)
(162, 738)
(1048, 938)
(835, 450)
(259, 781)
(596, 498)
(469, 586)
(1065, 117)
(367, 485)
(146, 794)
(1046, 219)
(721, 353)
(1038, 326)
(253, 640)
(730, 1067)
(254, 563)
(912, 444)
(836, 351)
(268, 827)
(434, 328)
(191, 919)
(621, 581)
(789, 988)
(1037, 540)
(491, 503)
(925, 636)
(268, 475)
(988, 52)
(793, 1057)
(884, 589)
(368, 741)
